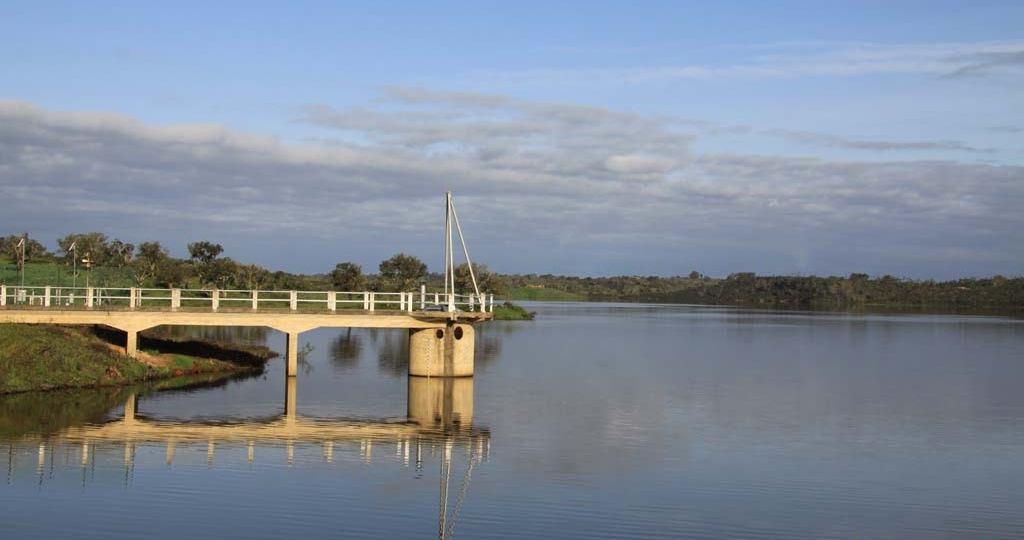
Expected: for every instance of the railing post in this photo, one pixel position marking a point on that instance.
(332, 300)
(46, 296)
(175, 299)
(255, 299)
(492, 302)
(411, 299)
(3, 295)
(437, 300)
(90, 297)
(451, 301)
(472, 303)
(131, 298)
(293, 300)
(423, 297)
(372, 301)
(214, 299)
(366, 301)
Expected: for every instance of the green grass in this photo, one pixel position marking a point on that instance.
(46, 357)
(50, 273)
(43, 357)
(527, 293)
(511, 312)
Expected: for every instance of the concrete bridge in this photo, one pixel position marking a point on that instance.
(441, 335)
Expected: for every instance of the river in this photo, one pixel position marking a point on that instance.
(594, 421)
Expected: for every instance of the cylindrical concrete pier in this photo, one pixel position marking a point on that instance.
(442, 352)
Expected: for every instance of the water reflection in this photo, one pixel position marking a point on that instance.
(439, 426)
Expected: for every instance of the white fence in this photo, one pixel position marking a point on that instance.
(137, 298)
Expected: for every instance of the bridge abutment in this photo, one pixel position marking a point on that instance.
(442, 352)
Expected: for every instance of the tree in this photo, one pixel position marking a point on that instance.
(120, 253)
(251, 276)
(203, 254)
(402, 272)
(487, 281)
(33, 249)
(148, 262)
(348, 276)
(93, 244)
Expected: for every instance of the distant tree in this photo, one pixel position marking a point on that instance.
(251, 276)
(348, 276)
(487, 281)
(147, 263)
(402, 272)
(120, 253)
(93, 244)
(33, 249)
(694, 275)
(202, 255)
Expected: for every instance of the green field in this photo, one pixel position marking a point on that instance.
(48, 273)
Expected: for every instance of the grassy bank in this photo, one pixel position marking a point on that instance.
(42, 357)
(511, 312)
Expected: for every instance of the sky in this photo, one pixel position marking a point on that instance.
(597, 138)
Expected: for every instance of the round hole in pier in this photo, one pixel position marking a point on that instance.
(440, 334)
(458, 332)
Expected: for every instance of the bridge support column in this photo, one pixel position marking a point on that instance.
(131, 347)
(442, 352)
(292, 355)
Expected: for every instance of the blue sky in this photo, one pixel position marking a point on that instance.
(592, 138)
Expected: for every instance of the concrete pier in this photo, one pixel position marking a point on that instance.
(442, 352)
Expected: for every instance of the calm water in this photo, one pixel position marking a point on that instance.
(595, 421)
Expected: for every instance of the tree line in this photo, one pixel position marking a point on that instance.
(150, 265)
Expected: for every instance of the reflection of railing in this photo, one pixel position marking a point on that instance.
(139, 298)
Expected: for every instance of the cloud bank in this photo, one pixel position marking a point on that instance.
(542, 187)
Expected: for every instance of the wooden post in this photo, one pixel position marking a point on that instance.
(366, 301)
(255, 300)
(175, 299)
(90, 297)
(423, 297)
(131, 298)
(332, 300)
(410, 301)
(46, 296)
(372, 301)
(293, 300)
(214, 299)
(3, 295)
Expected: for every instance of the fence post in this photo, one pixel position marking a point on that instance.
(410, 302)
(492, 302)
(131, 298)
(332, 300)
(214, 299)
(293, 300)
(366, 301)
(175, 299)
(3, 295)
(437, 300)
(472, 302)
(423, 297)
(372, 301)
(46, 296)
(89, 297)
(255, 300)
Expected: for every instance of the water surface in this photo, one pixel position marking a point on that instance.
(594, 421)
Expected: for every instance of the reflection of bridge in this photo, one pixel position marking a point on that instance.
(439, 423)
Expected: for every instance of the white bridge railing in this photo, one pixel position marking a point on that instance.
(132, 298)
